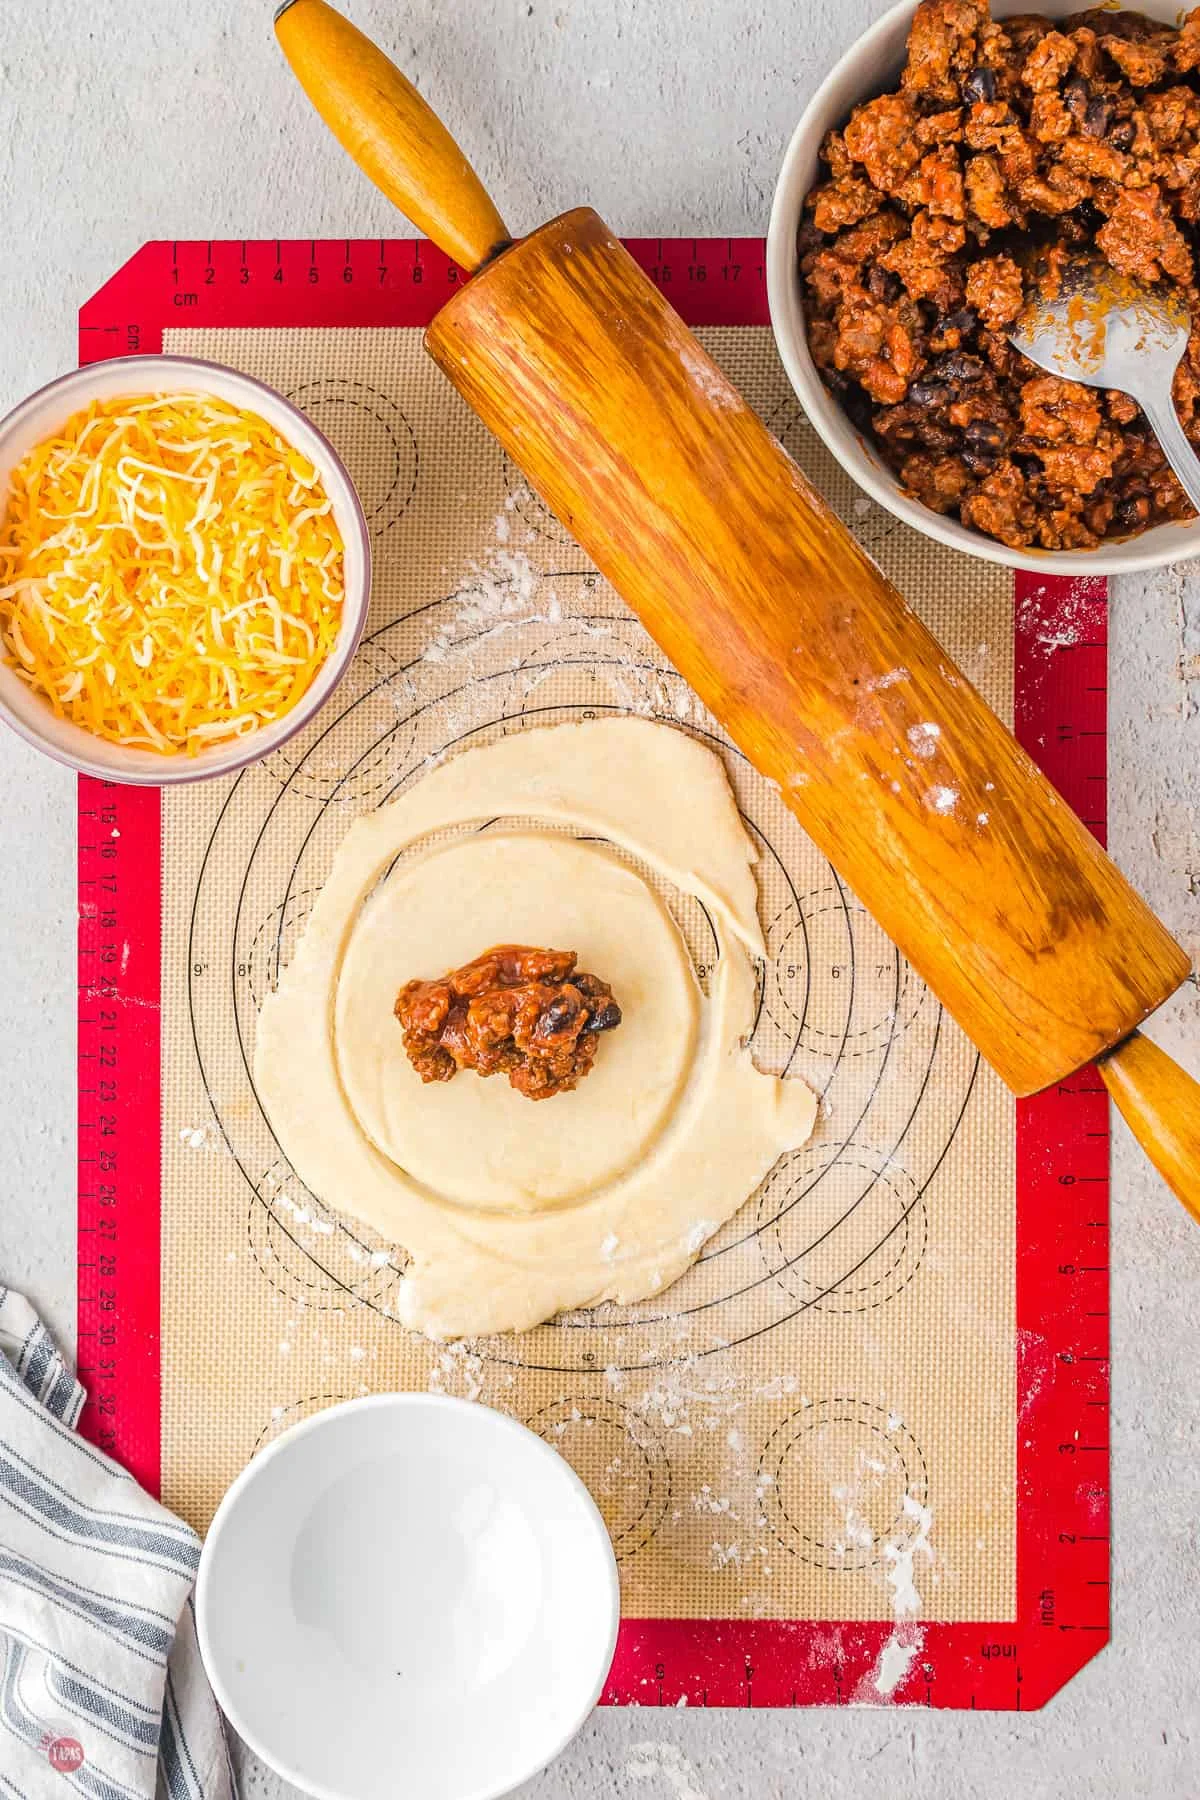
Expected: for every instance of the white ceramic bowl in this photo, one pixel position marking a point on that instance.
(872, 66)
(407, 1594)
(43, 413)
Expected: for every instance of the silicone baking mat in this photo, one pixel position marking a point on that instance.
(859, 1452)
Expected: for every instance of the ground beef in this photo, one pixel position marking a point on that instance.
(525, 1013)
(1009, 144)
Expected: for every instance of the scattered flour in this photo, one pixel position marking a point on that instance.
(906, 1637)
(302, 1216)
(895, 1660)
(858, 1534)
(1063, 624)
(457, 1369)
(500, 592)
(375, 1259)
(198, 1137)
(901, 1558)
(707, 1502)
(675, 1778)
(710, 382)
(892, 679)
(923, 739)
(699, 1235)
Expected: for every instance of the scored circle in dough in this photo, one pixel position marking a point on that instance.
(659, 795)
(479, 1142)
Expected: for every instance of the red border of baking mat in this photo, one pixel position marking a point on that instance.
(1062, 1135)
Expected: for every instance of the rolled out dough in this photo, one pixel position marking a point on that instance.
(475, 1142)
(511, 1211)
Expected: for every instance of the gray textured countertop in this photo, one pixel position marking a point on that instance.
(130, 120)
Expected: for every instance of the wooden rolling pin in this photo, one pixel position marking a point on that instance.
(818, 669)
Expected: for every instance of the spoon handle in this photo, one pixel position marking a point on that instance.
(1173, 442)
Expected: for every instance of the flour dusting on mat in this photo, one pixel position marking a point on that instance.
(199, 1137)
(501, 591)
(907, 1638)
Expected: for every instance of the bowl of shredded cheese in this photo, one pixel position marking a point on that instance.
(184, 569)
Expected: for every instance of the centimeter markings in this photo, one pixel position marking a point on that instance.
(1063, 1145)
(375, 281)
(118, 1121)
(1061, 1598)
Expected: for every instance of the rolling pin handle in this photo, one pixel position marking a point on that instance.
(391, 132)
(1160, 1103)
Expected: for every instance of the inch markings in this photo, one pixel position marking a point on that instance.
(118, 1119)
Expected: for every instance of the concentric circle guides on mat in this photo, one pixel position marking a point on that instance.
(838, 1005)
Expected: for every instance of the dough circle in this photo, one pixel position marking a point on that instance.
(480, 1143)
(621, 1200)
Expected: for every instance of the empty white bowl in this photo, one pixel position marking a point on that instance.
(872, 66)
(407, 1594)
(46, 412)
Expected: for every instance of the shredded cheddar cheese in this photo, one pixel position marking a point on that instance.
(171, 573)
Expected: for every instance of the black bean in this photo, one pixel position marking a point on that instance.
(1131, 512)
(606, 1019)
(957, 367)
(557, 1017)
(934, 436)
(980, 84)
(985, 437)
(860, 408)
(1121, 136)
(1098, 117)
(964, 320)
(928, 393)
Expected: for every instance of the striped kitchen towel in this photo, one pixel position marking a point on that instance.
(101, 1685)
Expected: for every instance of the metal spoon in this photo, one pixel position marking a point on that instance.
(1109, 331)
